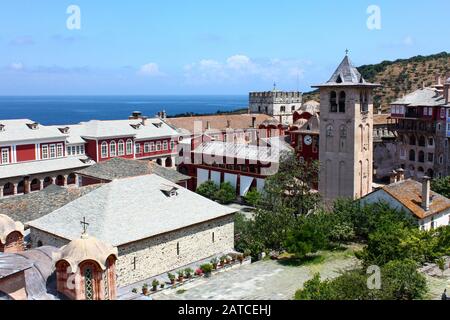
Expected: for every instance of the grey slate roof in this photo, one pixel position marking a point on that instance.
(347, 75)
(40, 279)
(426, 97)
(32, 206)
(118, 168)
(130, 210)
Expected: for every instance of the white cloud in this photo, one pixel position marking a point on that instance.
(150, 70)
(240, 68)
(408, 41)
(16, 66)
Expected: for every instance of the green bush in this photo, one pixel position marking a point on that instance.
(252, 197)
(206, 268)
(208, 190)
(226, 194)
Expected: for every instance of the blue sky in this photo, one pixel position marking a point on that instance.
(203, 47)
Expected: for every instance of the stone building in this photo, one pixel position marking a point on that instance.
(346, 131)
(156, 225)
(422, 122)
(280, 105)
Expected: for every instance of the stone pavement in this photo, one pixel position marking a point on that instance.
(264, 280)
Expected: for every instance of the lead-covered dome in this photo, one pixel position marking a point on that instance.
(85, 249)
(8, 226)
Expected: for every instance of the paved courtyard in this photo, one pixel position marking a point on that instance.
(264, 280)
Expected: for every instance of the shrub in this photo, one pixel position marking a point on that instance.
(252, 197)
(206, 268)
(226, 194)
(188, 272)
(208, 190)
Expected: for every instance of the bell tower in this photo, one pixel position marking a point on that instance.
(346, 134)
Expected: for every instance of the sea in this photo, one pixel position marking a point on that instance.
(55, 110)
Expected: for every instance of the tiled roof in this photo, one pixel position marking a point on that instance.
(130, 210)
(118, 168)
(409, 194)
(43, 166)
(32, 206)
(381, 119)
(347, 75)
(21, 130)
(426, 97)
(218, 122)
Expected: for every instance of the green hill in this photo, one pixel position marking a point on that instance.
(401, 76)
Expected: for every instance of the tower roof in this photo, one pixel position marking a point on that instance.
(83, 249)
(347, 75)
(7, 226)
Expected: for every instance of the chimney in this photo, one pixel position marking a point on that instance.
(135, 115)
(208, 125)
(393, 177)
(426, 193)
(253, 122)
(400, 175)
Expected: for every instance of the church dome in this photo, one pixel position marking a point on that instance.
(84, 249)
(7, 226)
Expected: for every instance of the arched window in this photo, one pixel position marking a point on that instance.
(421, 156)
(333, 101)
(121, 148)
(330, 131)
(412, 140)
(342, 98)
(422, 141)
(364, 101)
(343, 131)
(129, 147)
(412, 155)
(104, 151)
(89, 283)
(282, 109)
(431, 141)
(112, 149)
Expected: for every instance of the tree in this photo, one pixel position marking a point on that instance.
(208, 190)
(252, 197)
(441, 186)
(441, 265)
(305, 239)
(226, 194)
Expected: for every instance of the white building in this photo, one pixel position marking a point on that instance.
(278, 104)
(432, 210)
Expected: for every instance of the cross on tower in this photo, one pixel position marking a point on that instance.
(84, 225)
(346, 52)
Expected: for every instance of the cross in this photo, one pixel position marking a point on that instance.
(346, 52)
(84, 224)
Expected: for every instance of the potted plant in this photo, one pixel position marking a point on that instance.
(240, 258)
(188, 272)
(207, 269)
(155, 284)
(199, 272)
(180, 275)
(233, 257)
(229, 259)
(247, 253)
(171, 278)
(135, 290)
(223, 260)
(145, 289)
(162, 285)
(214, 263)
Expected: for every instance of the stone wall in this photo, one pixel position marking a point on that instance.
(158, 255)
(153, 256)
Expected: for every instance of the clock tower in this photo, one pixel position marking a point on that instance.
(346, 134)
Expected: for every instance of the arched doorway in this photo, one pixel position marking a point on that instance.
(169, 162)
(21, 187)
(8, 189)
(159, 161)
(47, 181)
(35, 185)
(71, 179)
(60, 180)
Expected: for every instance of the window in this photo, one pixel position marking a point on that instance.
(343, 131)
(112, 149)
(430, 142)
(412, 155)
(5, 156)
(293, 108)
(44, 152)
(152, 147)
(52, 151)
(421, 141)
(421, 157)
(172, 145)
(129, 146)
(82, 151)
(441, 159)
(165, 145)
(430, 157)
(213, 237)
(333, 102)
(137, 148)
(104, 150)
(330, 131)
(88, 284)
(178, 248)
(121, 148)
(282, 109)
(158, 146)
(78, 149)
(146, 147)
(69, 151)
(342, 98)
(59, 150)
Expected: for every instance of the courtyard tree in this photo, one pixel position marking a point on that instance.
(208, 190)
